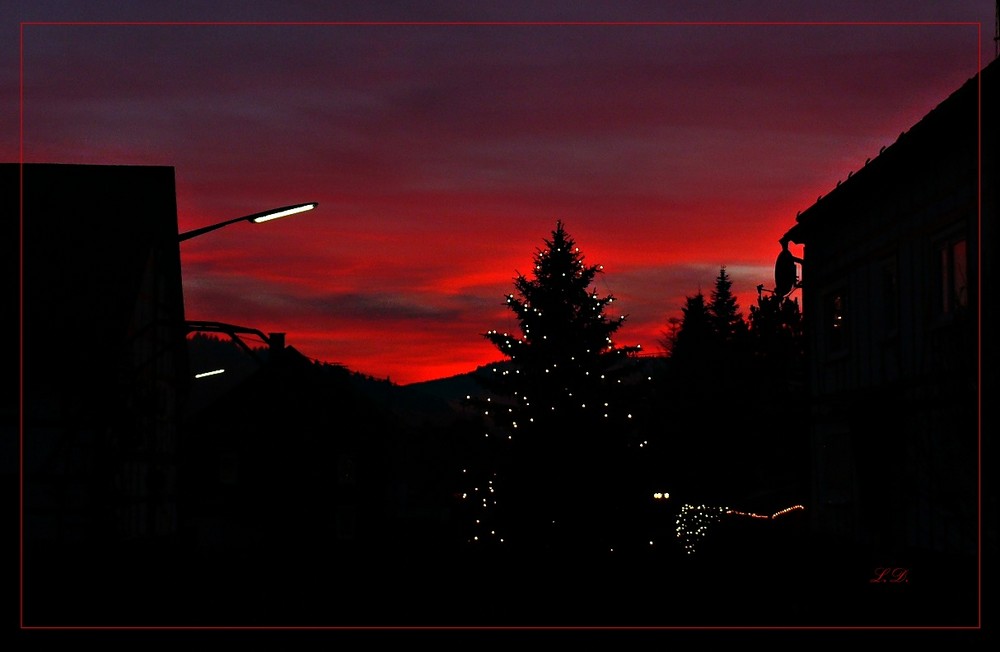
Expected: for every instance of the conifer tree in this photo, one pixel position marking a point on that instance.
(558, 402)
(566, 339)
(776, 336)
(724, 311)
(775, 324)
(695, 335)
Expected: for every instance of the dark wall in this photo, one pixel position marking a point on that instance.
(102, 328)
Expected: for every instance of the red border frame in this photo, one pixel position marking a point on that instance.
(979, 211)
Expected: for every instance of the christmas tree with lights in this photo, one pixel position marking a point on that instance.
(560, 408)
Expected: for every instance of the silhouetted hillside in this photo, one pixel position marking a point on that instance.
(454, 388)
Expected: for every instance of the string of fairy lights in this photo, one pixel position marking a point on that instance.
(511, 416)
(694, 521)
(484, 498)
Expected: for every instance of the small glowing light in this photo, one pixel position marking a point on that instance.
(210, 373)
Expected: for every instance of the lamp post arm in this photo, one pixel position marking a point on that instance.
(256, 218)
(205, 229)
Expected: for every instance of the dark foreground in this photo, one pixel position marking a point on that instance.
(780, 580)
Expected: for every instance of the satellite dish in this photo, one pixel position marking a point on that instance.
(784, 273)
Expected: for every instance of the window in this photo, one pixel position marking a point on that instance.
(953, 277)
(890, 297)
(835, 316)
(346, 469)
(346, 522)
(229, 465)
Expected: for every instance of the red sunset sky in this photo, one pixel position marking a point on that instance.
(442, 155)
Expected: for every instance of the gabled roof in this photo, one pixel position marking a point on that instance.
(936, 132)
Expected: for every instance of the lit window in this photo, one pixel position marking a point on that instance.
(346, 469)
(836, 322)
(953, 278)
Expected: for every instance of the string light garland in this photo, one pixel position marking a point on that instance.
(694, 521)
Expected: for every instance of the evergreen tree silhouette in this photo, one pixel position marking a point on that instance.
(559, 404)
(724, 311)
(776, 337)
(668, 337)
(752, 368)
(695, 335)
(707, 376)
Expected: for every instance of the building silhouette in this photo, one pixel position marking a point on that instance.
(102, 332)
(283, 459)
(895, 263)
(150, 496)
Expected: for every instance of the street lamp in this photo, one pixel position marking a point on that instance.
(256, 218)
